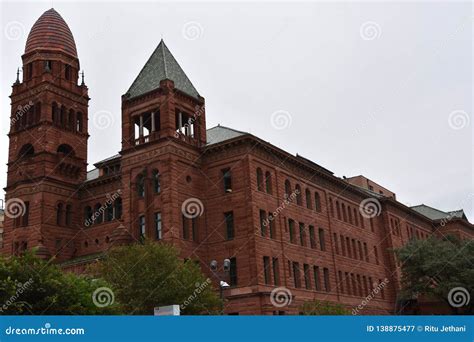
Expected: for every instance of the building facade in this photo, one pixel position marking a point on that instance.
(283, 221)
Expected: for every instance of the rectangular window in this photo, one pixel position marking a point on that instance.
(307, 277)
(271, 221)
(233, 272)
(335, 243)
(276, 271)
(296, 275)
(291, 224)
(348, 284)
(343, 246)
(322, 242)
(317, 278)
(312, 237)
(348, 246)
(194, 230)
(354, 250)
(26, 215)
(327, 284)
(229, 225)
(302, 235)
(341, 282)
(263, 223)
(359, 285)
(366, 251)
(266, 269)
(141, 226)
(227, 179)
(361, 253)
(158, 228)
(185, 227)
(376, 254)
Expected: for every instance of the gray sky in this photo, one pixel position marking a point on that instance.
(379, 89)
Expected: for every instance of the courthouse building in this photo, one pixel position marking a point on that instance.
(215, 193)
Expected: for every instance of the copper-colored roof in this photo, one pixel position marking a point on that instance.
(51, 32)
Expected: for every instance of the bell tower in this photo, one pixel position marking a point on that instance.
(48, 143)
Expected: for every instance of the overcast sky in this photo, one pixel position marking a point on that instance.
(379, 89)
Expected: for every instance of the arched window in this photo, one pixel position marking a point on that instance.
(26, 151)
(87, 216)
(65, 149)
(156, 181)
(317, 203)
(259, 179)
(59, 214)
(54, 113)
(344, 214)
(79, 124)
(299, 195)
(287, 188)
(338, 209)
(141, 185)
(62, 117)
(98, 213)
(68, 215)
(109, 213)
(268, 182)
(37, 112)
(309, 204)
(71, 121)
(118, 208)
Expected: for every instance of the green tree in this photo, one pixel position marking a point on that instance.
(433, 267)
(149, 275)
(319, 308)
(29, 285)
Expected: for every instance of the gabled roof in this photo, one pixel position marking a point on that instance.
(220, 133)
(436, 214)
(160, 66)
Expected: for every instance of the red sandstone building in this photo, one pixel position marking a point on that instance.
(281, 219)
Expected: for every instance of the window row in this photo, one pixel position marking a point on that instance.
(190, 228)
(346, 213)
(316, 238)
(23, 220)
(65, 70)
(141, 181)
(19, 247)
(26, 116)
(271, 271)
(315, 277)
(157, 233)
(359, 285)
(64, 214)
(351, 248)
(395, 226)
(264, 183)
(67, 119)
(298, 194)
(414, 233)
(110, 210)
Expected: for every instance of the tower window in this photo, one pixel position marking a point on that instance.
(229, 224)
(266, 269)
(227, 179)
(67, 72)
(48, 66)
(141, 186)
(141, 227)
(158, 227)
(29, 71)
(79, 123)
(156, 182)
(59, 214)
(26, 215)
(268, 182)
(259, 179)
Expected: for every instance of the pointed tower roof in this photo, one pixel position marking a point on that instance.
(160, 66)
(50, 31)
